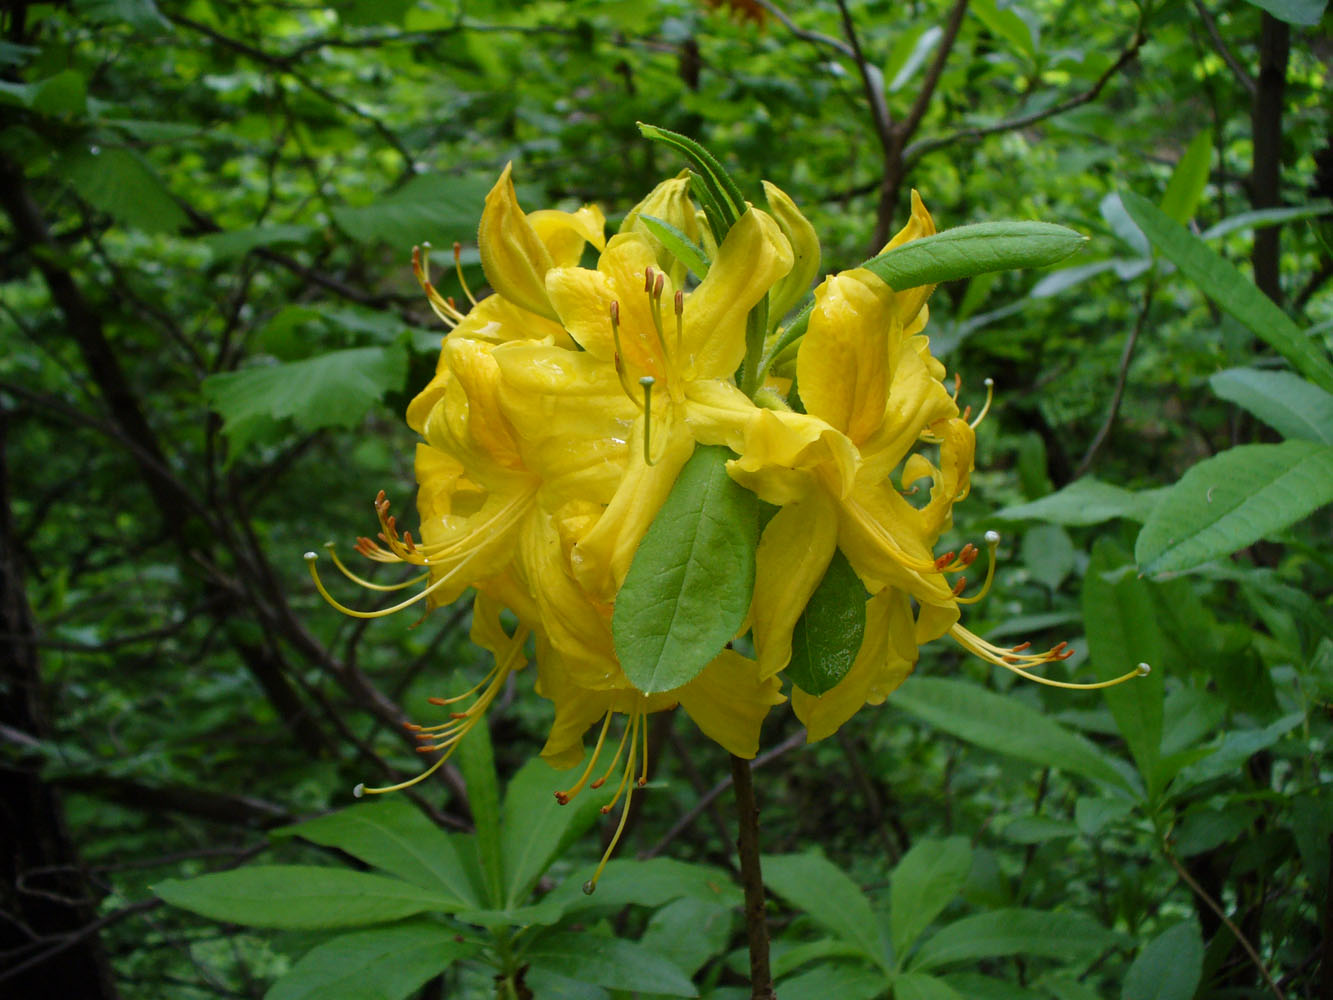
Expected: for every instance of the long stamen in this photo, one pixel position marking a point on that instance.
(680, 320)
(442, 307)
(620, 354)
(362, 581)
(458, 266)
(564, 797)
(1015, 660)
(653, 284)
(992, 543)
(990, 395)
(620, 748)
(311, 558)
(647, 382)
(636, 719)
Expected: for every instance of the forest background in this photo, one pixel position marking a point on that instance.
(211, 329)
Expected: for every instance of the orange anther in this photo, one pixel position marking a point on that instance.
(1020, 647)
(944, 560)
(958, 587)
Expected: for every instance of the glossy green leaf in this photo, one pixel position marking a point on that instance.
(814, 885)
(1232, 291)
(1303, 12)
(1005, 725)
(1084, 501)
(333, 390)
(609, 962)
(1189, 178)
(1000, 933)
(925, 881)
(689, 587)
(971, 250)
(828, 634)
(301, 897)
(120, 183)
(535, 828)
(688, 932)
(387, 963)
(1234, 499)
(1284, 401)
(1169, 968)
(678, 245)
(390, 833)
(430, 208)
(1122, 632)
(724, 191)
(477, 762)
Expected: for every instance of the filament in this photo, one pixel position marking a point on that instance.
(992, 543)
(458, 266)
(564, 797)
(1017, 661)
(636, 721)
(442, 307)
(990, 395)
(647, 382)
(362, 581)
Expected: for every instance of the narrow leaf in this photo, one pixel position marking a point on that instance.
(828, 634)
(725, 190)
(813, 884)
(1084, 501)
(928, 877)
(1122, 632)
(689, 587)
(387, 963)
(999, 933)
(1261, 217)
(1005, 725)
(1169, 968)
(477, 762)
(1234, 499)
(392, 834)
(609, 962)
(300, 897)
(1286, 402)
(1189, 178)
(1302, 12)
(1232, 292)
(678, 245)
(971, 250)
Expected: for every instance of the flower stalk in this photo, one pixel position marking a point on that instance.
(752, 878)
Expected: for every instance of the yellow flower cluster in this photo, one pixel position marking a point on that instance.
(564, 406)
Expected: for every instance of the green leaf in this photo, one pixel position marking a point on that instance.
(917, 986)
(812, 883)
(477, 762)
(1005, 725)
(120, 183)
(840, 979)
(1261, 217)
(1189, 178)
(63, 95)
(334, 390)
(1004, 23)
(928, 877)
(392, 834)
(971, 250)
(688, 932)
(1122, 632)
(654, 882)
(1233, 293)
(1085, 501)
(1234, 499)
(678, 245)
(724, 191)
(141, 14)
(609, 962)
(535, 829)
(999, 933)
(828, 634)
(387, 963)
(1285, 401)
(239, 242)
(689, 587)
(431, 207)
(1169, 968)
(301, 897)
(1303, 12)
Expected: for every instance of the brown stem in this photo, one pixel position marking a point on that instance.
(1265, 191)
(1122, 376)
(747, 849)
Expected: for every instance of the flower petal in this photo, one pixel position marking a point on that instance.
(512, 254)
(729, 702)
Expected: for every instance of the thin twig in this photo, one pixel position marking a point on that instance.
(752, 878)
(1122, 376)
(837, 44)
(872, 80)
(1228, 57)
(1213, 905)
(932, 78)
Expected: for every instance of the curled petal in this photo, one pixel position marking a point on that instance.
(512, 254)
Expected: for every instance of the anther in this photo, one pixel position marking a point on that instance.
(1143, 670)
(959, 586)
(944, 560)
(359, 791)
(648, 280)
